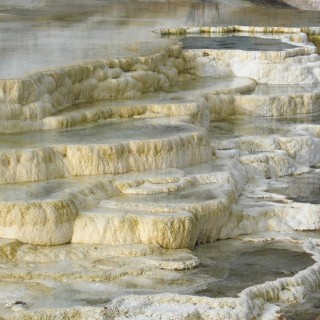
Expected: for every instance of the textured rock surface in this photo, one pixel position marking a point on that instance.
(122, 183)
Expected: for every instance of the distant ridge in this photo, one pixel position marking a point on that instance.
(304, 5)
(275, 3)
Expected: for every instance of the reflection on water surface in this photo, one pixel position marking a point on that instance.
(236, 43)
(303, 188)
(105, 133)
(236, 266)
(36, 35)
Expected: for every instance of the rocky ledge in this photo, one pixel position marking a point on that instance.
(113, 171)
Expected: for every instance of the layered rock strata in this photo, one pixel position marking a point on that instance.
(155, 174)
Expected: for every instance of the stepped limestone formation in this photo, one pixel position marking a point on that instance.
(113, 171)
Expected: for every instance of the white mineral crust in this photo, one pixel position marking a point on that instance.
(146, 193)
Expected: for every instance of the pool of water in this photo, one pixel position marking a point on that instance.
(248, 268)
(238, 127)
(110, 131)
(35, 191)
(182, 91)
(226, 268)
(269, 89)
(37, 35)
(235, 42)
(177, 200)
(303, 188)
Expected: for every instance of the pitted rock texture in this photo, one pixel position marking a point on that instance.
(82, 170)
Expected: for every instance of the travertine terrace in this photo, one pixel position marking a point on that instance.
(116, 169)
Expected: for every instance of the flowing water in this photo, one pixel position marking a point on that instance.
(126, 175)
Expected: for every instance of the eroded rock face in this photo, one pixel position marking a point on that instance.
(120, 184)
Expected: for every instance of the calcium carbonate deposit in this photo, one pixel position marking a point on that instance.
(159, 160)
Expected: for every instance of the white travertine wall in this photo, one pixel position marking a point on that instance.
(49, 221)
(43, 163)
(42, 94)
(61, 221)
(199, 188)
